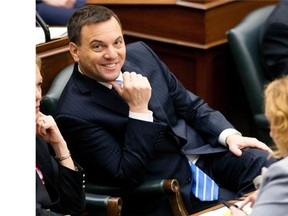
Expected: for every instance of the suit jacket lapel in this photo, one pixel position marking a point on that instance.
(100, 94)
(110, 99)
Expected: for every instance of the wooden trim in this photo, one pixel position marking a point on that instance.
(53, 44)
(199, 4)
(175, 198)
(134, 2)
(173, 41)
(203, 5)
(114, 206)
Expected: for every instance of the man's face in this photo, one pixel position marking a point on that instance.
(102, 52)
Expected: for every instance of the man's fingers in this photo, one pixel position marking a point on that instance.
(235, 150)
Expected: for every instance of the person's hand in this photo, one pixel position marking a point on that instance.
(250, 199)
(60, 3)
(237, 142)
(136, 91)
(237, 212)
(47, 128)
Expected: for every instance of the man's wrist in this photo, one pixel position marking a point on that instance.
(147, 116)
(226, 133)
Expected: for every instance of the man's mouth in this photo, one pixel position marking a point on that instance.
(110, 65)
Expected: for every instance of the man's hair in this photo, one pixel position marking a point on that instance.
(86, 15)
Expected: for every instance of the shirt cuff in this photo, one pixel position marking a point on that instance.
(225, 133)
(147, 116)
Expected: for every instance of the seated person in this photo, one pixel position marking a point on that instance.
(57, 12)
(272, 196)
(150, 126)
(59, 182)
(274, 41)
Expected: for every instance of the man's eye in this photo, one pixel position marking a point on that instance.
(118, 44)
(97, 47)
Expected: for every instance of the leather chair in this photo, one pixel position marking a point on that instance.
(243, 40)
(102, 205)
(101, 197)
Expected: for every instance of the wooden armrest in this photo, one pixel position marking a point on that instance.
(103, 205)
(172, 188)
(169, 187)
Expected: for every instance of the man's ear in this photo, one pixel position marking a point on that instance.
(74, 51)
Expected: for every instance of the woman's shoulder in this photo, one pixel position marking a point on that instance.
(279, 168)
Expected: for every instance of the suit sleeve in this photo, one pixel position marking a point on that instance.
(273, 197)
(71, 187)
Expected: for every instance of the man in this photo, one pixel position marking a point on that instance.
(274, 41)
(147, 127)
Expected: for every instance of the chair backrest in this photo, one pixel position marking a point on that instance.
(244, 43)
(50, 100)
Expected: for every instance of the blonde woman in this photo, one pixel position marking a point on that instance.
(272, 196)
(59, 181)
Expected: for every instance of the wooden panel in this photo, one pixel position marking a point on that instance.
(200, 71)
(55, 56)
(185, 23)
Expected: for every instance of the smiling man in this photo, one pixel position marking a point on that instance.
(150, 127)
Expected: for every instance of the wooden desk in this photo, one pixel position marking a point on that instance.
(220, 205)
(208, 210)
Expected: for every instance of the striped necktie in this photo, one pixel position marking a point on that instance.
(120, 82)
(203, 187)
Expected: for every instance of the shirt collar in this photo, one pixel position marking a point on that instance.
(108, 85)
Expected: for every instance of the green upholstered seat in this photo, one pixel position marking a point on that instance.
(243, 40)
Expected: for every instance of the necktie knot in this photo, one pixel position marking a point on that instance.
(120, 82)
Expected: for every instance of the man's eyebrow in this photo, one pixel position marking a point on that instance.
(95, 40)
(120, 37)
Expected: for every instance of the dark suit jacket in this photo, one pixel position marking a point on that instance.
(63, 192)
(117, 150)
(274, 41)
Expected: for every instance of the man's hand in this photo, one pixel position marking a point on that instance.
(136, 91)
(237, 142)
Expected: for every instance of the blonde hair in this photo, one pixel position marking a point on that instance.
(276, 108)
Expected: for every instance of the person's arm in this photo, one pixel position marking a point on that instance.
(136, 91)
(47, 129)
(143, 115)
(236, 143)
(60, 3)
